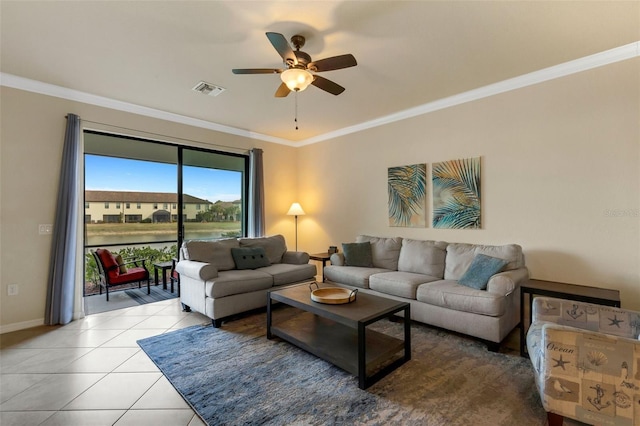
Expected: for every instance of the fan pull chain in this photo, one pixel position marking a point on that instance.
(296, 115)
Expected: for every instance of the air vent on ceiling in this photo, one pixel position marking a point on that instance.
(208, 88)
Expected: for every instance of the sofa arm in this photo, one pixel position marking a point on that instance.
(507, 282)
(295, 257)
(197, 270)
(337, 259)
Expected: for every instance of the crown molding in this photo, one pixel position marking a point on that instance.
(16, 82)
(607, 57)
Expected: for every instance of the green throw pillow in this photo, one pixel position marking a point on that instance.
(357, 254)
(250, 257)
(481, 269)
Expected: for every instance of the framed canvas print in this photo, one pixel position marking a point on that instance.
(407, 195)
(456, 194)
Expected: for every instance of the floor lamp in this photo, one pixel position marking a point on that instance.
(296, 210)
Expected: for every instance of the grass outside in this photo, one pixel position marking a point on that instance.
(94, 229)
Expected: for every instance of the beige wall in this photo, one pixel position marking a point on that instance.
(555, 158)
(31, 138)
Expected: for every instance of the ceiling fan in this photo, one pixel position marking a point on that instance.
(300, 69)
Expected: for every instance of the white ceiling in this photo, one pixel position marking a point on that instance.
(409, 53)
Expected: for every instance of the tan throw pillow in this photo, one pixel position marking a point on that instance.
(121, 267)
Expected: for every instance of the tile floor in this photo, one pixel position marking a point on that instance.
(92, 372)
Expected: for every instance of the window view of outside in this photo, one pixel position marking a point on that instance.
(132, 208)
(212, 203)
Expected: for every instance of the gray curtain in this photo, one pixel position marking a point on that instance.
(62, 271)
(256, 226)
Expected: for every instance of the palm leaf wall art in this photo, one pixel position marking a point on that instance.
(407, 195)
(456, 194)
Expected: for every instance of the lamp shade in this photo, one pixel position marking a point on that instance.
(296, 79)
(295, 210)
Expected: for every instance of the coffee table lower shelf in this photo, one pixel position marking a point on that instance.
(338, 343)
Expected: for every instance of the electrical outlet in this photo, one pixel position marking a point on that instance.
(12, 289)
(46, 229)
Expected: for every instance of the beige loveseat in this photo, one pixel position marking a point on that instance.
(226, 277)
(427, 273)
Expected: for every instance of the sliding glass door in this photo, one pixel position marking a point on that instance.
(144, 198)
(213, 194)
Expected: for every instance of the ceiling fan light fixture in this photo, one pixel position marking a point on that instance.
(296, 79)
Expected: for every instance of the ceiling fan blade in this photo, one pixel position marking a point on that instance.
(256, 71)
(282, 91)
(327, 85)
(282, 46)
(333, 63)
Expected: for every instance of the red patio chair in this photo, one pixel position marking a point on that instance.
(112, 274)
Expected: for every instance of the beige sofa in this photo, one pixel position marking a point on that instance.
(427, 273)
(226, 277)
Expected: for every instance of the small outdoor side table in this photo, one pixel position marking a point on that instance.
(321, 257)
(580, 293)
(164, 267)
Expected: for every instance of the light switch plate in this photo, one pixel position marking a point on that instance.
(45, 229)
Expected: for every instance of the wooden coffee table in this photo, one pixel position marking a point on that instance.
(339, 333)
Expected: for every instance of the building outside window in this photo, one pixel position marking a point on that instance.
(138, 205)
(106, 205)
(128, 205)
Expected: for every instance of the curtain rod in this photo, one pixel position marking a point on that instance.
(170, 138)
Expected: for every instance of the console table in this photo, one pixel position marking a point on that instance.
(580, 293)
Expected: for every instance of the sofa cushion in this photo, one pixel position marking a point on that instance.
(481, 269)
(401, 284)
(384, 251)
(215, 252)
(351, 275)
(249, 257)
(357, 254)
(512, 253)
(460, 256)
(423, 257)
(449, 294)
(133, 274)
(284, 273)
(275, 246)
(228, 283)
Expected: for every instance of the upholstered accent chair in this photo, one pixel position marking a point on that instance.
(586, 359)
(114, 271)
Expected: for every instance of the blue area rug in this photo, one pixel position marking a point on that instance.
(234, 376)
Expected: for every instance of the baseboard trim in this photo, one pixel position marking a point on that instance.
(16, 326)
